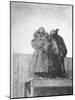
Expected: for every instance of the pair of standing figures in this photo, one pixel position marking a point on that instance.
(50, 51)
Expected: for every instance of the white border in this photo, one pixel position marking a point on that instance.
(5, 49)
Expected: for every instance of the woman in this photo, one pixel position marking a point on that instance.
(40, 58)
(58, 49)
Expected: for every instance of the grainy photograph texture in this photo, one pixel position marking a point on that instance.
(41, 49)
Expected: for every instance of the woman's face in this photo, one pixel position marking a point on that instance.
(37, 35)
(41, 34)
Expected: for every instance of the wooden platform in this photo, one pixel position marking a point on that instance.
(48, 87)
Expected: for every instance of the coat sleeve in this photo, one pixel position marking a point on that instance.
(37, 43)
(62, 46)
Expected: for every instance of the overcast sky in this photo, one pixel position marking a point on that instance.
(27, 17)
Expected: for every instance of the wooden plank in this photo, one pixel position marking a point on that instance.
(52, 91)
(51, 83)
(12, 78)
(15, 77)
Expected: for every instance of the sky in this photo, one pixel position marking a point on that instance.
(26, 18)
